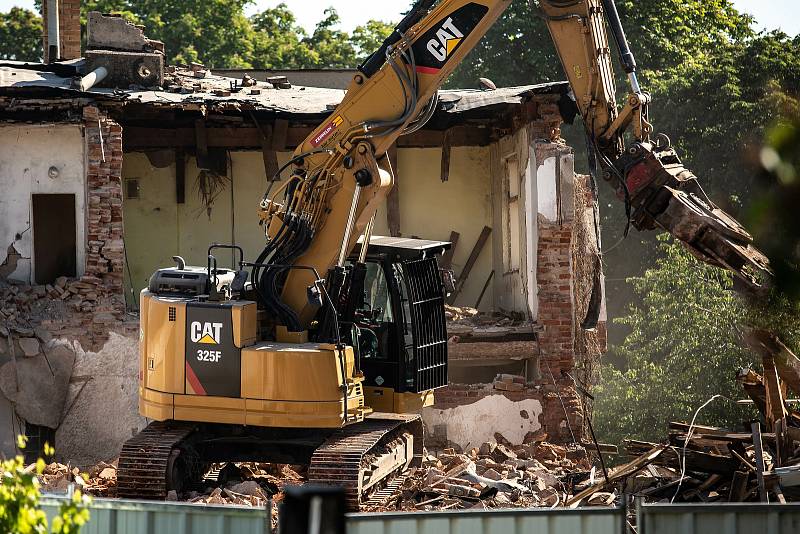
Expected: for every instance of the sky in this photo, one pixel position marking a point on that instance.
(769, 14)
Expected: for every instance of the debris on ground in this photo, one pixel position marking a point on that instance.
(498, 474)
(100, 480)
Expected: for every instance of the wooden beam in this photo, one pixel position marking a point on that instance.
(180, 176)
(775, 406)
(445, 167)
(201, 142)
(393, 200)
(473, 258)
(447, 257)
(483, 291)
(268, 154)
(758, 448)
(786, 363)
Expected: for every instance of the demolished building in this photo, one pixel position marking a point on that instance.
(105, 177)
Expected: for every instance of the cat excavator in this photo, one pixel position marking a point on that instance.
(323, 349)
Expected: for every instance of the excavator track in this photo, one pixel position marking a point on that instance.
(365, 457)
(144, 462)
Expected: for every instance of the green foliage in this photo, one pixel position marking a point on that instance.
(19, 501)
(217, 33)
(20, 35)
(773, 215)
(683, 348)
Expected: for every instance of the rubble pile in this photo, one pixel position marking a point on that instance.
(471, 317)
(69, 307)
(495, 475)
(100, 480)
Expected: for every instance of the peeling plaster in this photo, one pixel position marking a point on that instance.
(474, 424)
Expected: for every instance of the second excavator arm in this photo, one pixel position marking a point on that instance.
(339, 175)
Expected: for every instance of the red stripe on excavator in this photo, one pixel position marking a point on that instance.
(427, 70)
(194, 382)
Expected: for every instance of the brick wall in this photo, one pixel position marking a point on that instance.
(69, 22)
(87, 308)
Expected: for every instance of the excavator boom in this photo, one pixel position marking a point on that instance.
(337, 182)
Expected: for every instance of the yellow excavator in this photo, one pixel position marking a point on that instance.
(323, 349)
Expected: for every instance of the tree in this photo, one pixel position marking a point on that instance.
(213, 32)
(278, 40)
(369, 37)
(333, 47)
(683, 348)
(20, 35)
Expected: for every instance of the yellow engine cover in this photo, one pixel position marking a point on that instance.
(277, 384)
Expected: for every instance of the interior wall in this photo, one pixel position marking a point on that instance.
(431, 209)
(27, 152)
(156, 227)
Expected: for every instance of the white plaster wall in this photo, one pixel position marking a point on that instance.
(26, 154)
(474, 424)
(546, 185)
(531, 249)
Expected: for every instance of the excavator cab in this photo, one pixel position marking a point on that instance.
(398, 330)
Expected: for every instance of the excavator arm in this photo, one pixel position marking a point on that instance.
(339, 175)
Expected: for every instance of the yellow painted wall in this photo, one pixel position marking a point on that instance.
(431, 209)
(156, 228)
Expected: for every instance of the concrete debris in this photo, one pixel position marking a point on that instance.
(29, 346)
(531, 474)
(39, 383)
(100, 480)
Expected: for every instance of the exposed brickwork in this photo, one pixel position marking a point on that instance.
(88, 307)
(69, 22)
(547, 123)
(567, 261)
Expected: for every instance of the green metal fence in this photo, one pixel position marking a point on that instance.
(146, 517)
(513, 521)
(719, 518)
(142, 517)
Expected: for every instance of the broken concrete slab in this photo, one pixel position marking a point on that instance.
(102, 402)
(42, 383)
(29, 346)
(116, 33)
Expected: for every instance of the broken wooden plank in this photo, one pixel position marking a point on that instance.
(759, 452)
(738, 490)
(393, 200)
(447, 257)
(619, 473)
(786, 363)
(483, 291)
(269, 155)
(753, 385)
(473, 258)
(696, 461)
(776, 409)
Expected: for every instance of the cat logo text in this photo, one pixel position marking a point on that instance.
(206, 333)
(447, 39)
